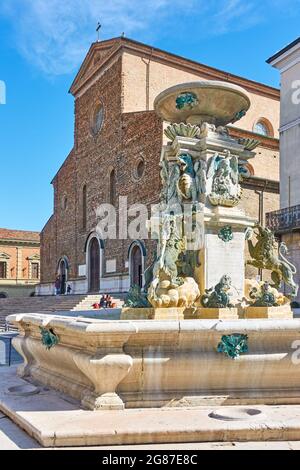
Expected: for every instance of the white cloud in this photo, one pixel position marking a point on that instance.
(54, 35)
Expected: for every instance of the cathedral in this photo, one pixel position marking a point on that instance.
(116, 155)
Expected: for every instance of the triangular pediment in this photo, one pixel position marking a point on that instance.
(98, 54)
(4, 256)
(35, 257)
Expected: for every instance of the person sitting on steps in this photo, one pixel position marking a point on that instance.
(108, 301)
(102, 303)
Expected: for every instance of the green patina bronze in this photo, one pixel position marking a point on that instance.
(49, 338)
(186, 100)
(136, 298)
(263, 296)
(233, 345)
(239, 115)
(226, 234)
(218, 296)
(265, 256)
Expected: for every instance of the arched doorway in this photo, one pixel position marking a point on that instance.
(136, 266)
(94, 265)
(63, 275)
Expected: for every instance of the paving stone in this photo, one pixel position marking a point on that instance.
(60, 423)
(12, 437)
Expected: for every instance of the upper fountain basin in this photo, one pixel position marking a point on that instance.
(214, 102)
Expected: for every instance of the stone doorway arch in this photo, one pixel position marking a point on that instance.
(136, 256)
(93, 249)
(63, 268)
(94, 266)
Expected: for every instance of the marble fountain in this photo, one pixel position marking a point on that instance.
(200, 335)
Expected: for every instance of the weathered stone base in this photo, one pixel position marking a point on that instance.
(219, 313)
(179, 313)
(172, 313)
(284, 312)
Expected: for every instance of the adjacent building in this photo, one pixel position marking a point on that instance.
(19, 262)
(286, 221)
(117, 147)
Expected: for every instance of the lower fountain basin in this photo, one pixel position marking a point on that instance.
(149, 363)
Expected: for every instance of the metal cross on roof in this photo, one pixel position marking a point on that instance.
(98, 31)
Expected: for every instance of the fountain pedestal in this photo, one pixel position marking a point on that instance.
(201, 167)
(179, 313)
(224, 248)
(283, 312)
(224, 227)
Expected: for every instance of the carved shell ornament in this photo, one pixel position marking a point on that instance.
(182, 130)
(249, 144)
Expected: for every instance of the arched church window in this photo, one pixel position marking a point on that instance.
(84, 207)
(112, 187)
(263, 127)
(97, 120)
(64, 202)
(139, 169)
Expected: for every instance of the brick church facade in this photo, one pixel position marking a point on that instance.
(117, 148)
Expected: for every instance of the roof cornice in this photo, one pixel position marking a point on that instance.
(283, 52)
(261, 184)
(121, 44)
(264, 141)
(112, 46)
(14, 242)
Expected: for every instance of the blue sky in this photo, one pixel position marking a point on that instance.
(43, 42)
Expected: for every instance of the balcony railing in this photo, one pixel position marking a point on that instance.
(284, 220)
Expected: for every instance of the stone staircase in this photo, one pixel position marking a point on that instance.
(50, 304)
(87, 303)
